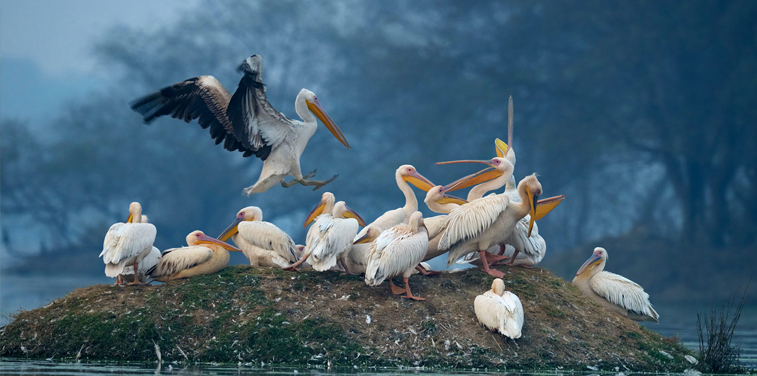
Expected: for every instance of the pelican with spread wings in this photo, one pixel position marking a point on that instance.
(246, 121)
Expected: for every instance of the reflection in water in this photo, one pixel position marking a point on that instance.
(28, 292)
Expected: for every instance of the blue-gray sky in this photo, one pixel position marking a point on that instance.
(46, 48)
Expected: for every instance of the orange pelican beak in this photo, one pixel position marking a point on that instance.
(482, 176)
(352, 214)
(130, 219)
(318, 210)
(367, 238)
(204, 239)
(233, 228)
(449, 199)
(501, 147)
(546, 205)
(593, 260)
(316, 109)
(418, 180)
(532, 203)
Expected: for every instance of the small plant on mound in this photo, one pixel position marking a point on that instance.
(717, 354)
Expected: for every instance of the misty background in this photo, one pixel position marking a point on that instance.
(642, 114)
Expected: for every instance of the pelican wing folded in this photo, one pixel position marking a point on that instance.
(175, 260)
(394, 251)
(623, 292)
(126, 240)
(267, 236)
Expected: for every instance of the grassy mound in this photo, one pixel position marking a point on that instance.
(246, 314)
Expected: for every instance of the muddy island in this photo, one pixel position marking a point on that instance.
(252, 315)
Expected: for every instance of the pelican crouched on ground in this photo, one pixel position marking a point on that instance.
(204, 255)
(500, 310)
(127, 244)
(262, 243)
(613, 291)
(246, 121)
(396, 251)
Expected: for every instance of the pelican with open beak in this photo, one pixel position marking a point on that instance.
(203, 255)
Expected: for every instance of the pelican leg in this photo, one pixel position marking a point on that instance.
(293, 267)
(310, 174)
(502, 249)
(345, 267)
(396, 290)
(118, 280)
(136, 275)
(512, 260)
(491, 272)
(425, 272)
(409, 293)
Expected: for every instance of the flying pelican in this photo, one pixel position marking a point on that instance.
(262, 243)
(204, 255)
(486, 222)
(127, 244)
(613, 291)
(397, 251)
(329, 240)
(499, 310)
(246, 121)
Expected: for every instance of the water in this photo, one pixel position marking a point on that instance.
(25, 292)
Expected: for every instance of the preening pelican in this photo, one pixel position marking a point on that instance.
(204, 255)
(127, 244)
(613, 291)
(262, 243)
(487, 222)
(329, 240)
(246, 121)
(500, 310)
(397, 251)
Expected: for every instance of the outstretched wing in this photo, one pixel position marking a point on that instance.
(202, 98)
(254, 122)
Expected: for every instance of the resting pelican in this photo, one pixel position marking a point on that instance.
(126, 244)
(204, 255)
(499, 310)
(246, 121)
(397, 251)
(262, 243)
(148, 262)
(486, 222)
(329, 240)
(613, 291)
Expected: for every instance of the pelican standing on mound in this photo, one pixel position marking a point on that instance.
(127, 244)
(262, 243)
(613, 291)
(329, 239)
(500, 310)
(397, 251)
(148, 262)
(246, 121)
(204, 255)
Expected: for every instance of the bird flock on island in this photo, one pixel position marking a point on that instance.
(483, 230)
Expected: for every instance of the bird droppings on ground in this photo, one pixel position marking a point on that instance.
(246, 314)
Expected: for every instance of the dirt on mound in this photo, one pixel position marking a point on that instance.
(246, 314)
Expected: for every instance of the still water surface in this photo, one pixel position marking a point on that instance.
(28, 292)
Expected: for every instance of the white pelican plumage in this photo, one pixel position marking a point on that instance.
(613, 291)
(246, 121)
(329, 239)
(486, 222)
(500, 310)
(397, 251)
(148, 262)
(127, 244)
(262, 243)
(203, 255)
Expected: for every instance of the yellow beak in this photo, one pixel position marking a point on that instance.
(532, 202)
(593, 260)
(501, 147)
(130, 219)
(318, 210)
(367, 238)
(204, 239)
(318, 111)
(418, 180)
(449, 199)
(231, 230)
(352, 214)
(546, 205)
